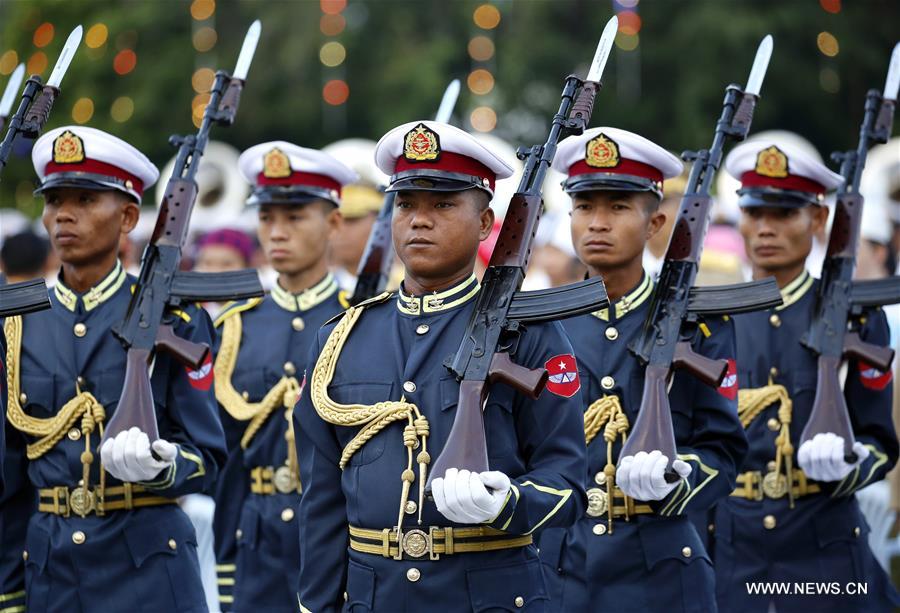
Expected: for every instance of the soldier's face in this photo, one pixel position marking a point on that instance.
(295, 238)
(436, 234)
(610, 229)
(776, 238)
(86, 225)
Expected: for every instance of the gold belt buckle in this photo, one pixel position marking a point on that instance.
(598, 502)
(774, 485)
(81, 502)
(284, 480)
(415, 543)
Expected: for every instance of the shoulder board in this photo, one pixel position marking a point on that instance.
(234, 307)
(382, 297)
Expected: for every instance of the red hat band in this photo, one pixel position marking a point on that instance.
(790, 182)
(624, 167)
(450, 162)
(90, 166)
(308, 179)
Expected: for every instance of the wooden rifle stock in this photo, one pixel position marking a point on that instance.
(528, 381)
(708, 370)
(135, 408)
(829, 411)
(190, 354)
(653, 428)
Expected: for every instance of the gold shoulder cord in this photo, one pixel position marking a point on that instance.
(751, 402)
(284, 394)
(52, 429)
(607, 411)
(372, 418)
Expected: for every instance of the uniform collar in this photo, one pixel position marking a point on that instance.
(630, 301)
(95, 296)
(438, 301)
(308, 298)
(795, 290)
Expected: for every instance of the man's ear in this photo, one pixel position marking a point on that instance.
(656, 222)
(335, 221)
(131, 213)
(819, 215)
(487, 223)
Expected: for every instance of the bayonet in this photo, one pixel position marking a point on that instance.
(65, 58)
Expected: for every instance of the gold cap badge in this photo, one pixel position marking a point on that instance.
(68, 148)
(772, 162)
(276, 165)
(602, 152)
(421, 144)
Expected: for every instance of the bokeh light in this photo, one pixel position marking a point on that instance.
(332, 25)
(205, 39)
(830, 80)
(202, 9)
(828, 44)
(202, 80)
(122, 109)
(831, 6)
(83, 110)
(198, 107)
(628, 4)
(37, 63)
(626, 42)
(336, 92)
(96, 36)
(8, 62)
(480, 82)
(629, 23)
(125, 61)
(481, 48)
(332, 54)
(483, 119)
(486, 17)
(332, 7)
(43, 36)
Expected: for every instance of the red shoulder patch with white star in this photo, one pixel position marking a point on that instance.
(564, 380)
(729, 385)
(202, 378)
(872, 378)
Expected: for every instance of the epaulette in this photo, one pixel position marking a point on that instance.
(382, 297)
(236, 306)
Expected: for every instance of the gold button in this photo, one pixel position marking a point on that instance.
(297, 324)
(173, 545)
(128, 184)
(287, 514)
(411, 507)
(78, 537)
(23, 398)
(409, 387)
(773, 424)
(857, 531)
(423, 329)
(711, 528)
(686, 552)
(74, 434)
(80, 330)
(25, 555)
(238, 533)
(600, 478)
(771, 465)
(769, 522)
(607, 382)
(775, 320)
(413, 574)
(611, 333)
(599, 529)
(245, 395)
(79, 380)
(773, 372)
(520, 602)
(290, 369)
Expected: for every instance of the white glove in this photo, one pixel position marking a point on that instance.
(822, 457)
(128, 456)
(642, 476)
(463, 497)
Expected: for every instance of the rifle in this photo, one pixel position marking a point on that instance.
(9, 94)
(838, 297)
(160, 284)
(37, 99)
(375, 266)
(664, 342)
(501, 310)
(24, 297)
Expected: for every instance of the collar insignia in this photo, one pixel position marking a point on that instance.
(602, 152)
(421, 144)
(68, 148)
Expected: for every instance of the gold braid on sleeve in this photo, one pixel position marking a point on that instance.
(373, 418)
(606, 412)
(752, 402)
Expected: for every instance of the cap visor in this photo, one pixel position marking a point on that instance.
(288, 196)
(777, 198)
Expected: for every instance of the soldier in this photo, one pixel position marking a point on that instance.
(793, 517)
(636, 549)
(107, 533)
(263, 344)
(379, 404)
